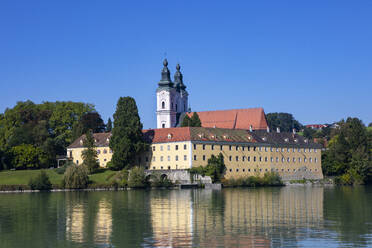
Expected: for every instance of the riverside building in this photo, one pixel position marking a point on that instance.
(241, 135)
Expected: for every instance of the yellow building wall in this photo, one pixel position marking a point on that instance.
(104, 155)
(242, 162)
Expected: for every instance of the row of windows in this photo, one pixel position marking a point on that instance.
(272, 159)
(77, 161)
(272, 169)
(176, 147)
(104, 151)
(168, 158)
(254, 148)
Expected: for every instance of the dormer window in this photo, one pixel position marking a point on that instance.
(169, 135)
(296, 140)
(264, 138)
(213, 137)
(81, 142)
(286, 139)
(306, 140)
(225, 136)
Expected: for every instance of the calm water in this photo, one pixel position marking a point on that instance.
(267, 217)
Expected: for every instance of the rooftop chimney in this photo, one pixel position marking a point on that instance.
(250, 128)
(278, 130)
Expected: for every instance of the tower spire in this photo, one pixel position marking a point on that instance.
(165, 75)
(178, 78)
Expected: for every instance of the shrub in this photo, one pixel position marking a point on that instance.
(137, 178)
(158, 181)
(76, 177)
(61, 170)
(269, 179)
(40, 182)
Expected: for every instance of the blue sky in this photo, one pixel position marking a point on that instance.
(309, 58)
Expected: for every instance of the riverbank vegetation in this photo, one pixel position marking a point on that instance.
(269, 179)
(215, 168)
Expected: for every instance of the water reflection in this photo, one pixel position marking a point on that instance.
(265, 217)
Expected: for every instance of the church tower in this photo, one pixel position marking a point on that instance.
(171, 98)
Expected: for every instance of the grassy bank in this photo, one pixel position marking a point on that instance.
(22, 177)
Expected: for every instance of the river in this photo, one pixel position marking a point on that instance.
(292, 216)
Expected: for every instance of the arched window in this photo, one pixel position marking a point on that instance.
(163, 125)
(163, 105)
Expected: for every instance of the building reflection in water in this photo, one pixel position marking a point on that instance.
(171, 218)
(103, 226)
(81, 216)
(235, 217)
(75, 223)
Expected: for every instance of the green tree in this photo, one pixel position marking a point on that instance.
(89, 154)
(28, 157)
(194, 121)
(137, 178)
(126, 141)
(216, 167)
(40, 182)
(284, 121)
(186, 122)
(349, 153)
(109, 125)
(76, 177)
(89, 121)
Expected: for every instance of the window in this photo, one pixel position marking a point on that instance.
(309, 149)
(299, 160)
(310, 160)
(277, 149)
(161, 158)
(168, 158)
(184, 147)
(168, 147)
(161, 167)
(304, 150)
(254, 148)
(272, 159)
(163, 125)
(176, 147)
(203, 147)
(221, 147)
(260, 169)
(98, 151)
(110, 151)
(249, 169)
(249, 158)
(282, 159)
(163, 105)
(265, 159)
(265, 169)
(260, 159)
(271, 149)
(237, 170)
(242, 148)
(212, 147)
(265, 149)
(104, 151)
(230, 148)
(277, 159)
(293, 150)
(70, 154)
(147, 159)
(237, 148)
(185, 157)
(168, 167)
(153, 158)
(299, 149)
(176, 157)
(254, 158)
(195, 157)
(237, 158)
(260, 149)
(243, 158)
(294, 159)
(203, 157)
(316, 160)
(243, 170)
(77, 161)
(249, 148)
(230, 158)
(153, 148)
(194, 146)
(230, 170)
(288, 160)
(288, 149)
(315, 150)
(161, 148)
(153, 167)
(282, 149)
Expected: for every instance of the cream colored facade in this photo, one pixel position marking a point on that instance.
(104, 155)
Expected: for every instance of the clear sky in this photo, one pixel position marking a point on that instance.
(309, 58)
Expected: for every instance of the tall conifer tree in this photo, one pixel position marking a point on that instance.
(109, 125)
(89, 155)
(195, 120)
(126, 141)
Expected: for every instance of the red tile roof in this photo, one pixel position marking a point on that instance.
(234, 118)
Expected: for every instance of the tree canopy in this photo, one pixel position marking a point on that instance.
(349, 153)
(46, 129)
(194, 121)
(285, 121)
(109, 125)
(126, 141)
(89, 154)
(89, 121)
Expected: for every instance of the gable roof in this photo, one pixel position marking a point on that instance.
(234, 118)
(101, 140)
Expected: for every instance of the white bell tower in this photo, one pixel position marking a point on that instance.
(166, 105)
